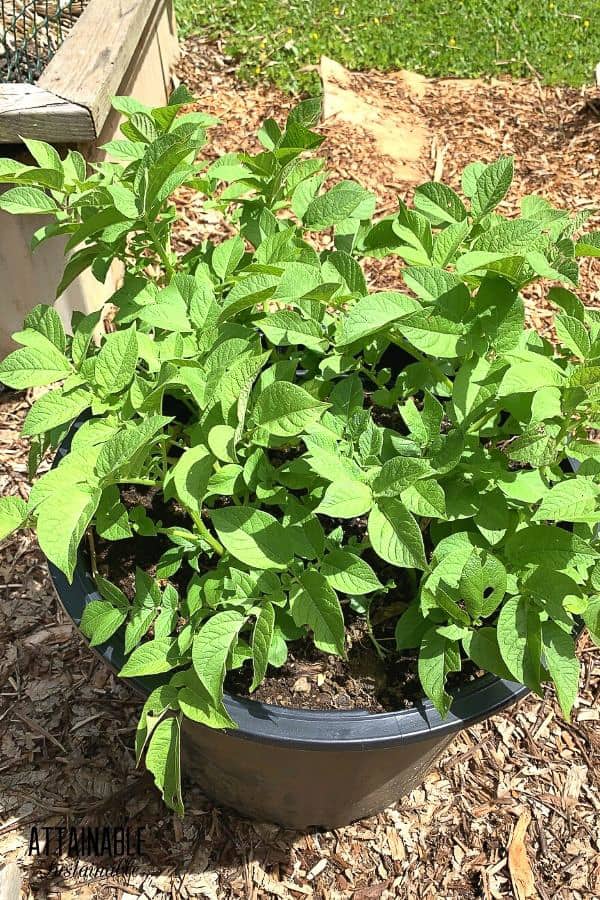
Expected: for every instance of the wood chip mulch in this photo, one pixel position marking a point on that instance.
(513, 808)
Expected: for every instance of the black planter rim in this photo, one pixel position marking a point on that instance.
(306, 728)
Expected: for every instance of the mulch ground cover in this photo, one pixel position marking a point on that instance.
(512, 809)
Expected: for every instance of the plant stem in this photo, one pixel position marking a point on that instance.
(161, 252)
(150, 482)
(369, 375)
(203, 530)
(92, 547)
(378, 648)
(476, 425)
(164, 458)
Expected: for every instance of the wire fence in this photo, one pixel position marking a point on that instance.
(31, 31)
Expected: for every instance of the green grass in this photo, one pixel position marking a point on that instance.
(275, 39)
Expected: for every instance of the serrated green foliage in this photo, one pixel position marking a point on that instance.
(13, 513)
(262, 638)
(163, 759)
(438, 655)
(324, 445)
(315, 604)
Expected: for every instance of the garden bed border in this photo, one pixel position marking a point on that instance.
(71, 101)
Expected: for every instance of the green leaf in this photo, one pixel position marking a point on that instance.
(349, 574)
(433, 334)
(78, 262)
(415, 230)
(92, 225)
(519, 640)
(26, 200)
(345, 499)
(128, 150)
(395, 535)
(227, 256)
(529, 372)
(120, 450)
(573, 335)
(47, 321)
(373, 313)
(285, 409)
(262, 637)
(469, 178)
(32, 367)
(288, 328)
(211, 648)
(494, 518)
(152, 658)
(345, 199)
(483, 584)
(169, 311)
(116, 361)
(562, 664)
(447, 243)
(82, 338)
(329, 463)
(100, 620)
(163, 760)
(247, 292)
(316, 605)
(13, 513)
(437, 657)
(138, 625)
(440, 203)
(513, 236)
(429, 282)
(537, 447)
(425, 498)
(573, 500)
(44, 154)
(191, 474)
(568, 302)
(112, 519)
(112, 593)
(341, 265)
(61, 522)
(196, 704)
(161, 699)
(557, 547)
(491, 186)
(481, 646)
(235, 385)
(591, 617)
(411, 627)
(399, 473)
(298, 280)
(253, 536)
(588, 244)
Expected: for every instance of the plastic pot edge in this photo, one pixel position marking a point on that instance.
(304, 728)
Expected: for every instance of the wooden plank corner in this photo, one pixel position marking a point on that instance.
(29, 111)
(94, 57)
(72, 99)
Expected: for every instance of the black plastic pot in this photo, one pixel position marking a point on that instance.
(303, 768)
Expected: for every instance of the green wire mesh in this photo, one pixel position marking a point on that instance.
(31, 31)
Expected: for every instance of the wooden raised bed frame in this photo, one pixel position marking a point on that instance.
(115, 47)
(99, 58)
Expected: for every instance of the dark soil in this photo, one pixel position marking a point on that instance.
(310, 679)
(118, 560)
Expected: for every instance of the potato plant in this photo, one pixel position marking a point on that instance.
(255, 383)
